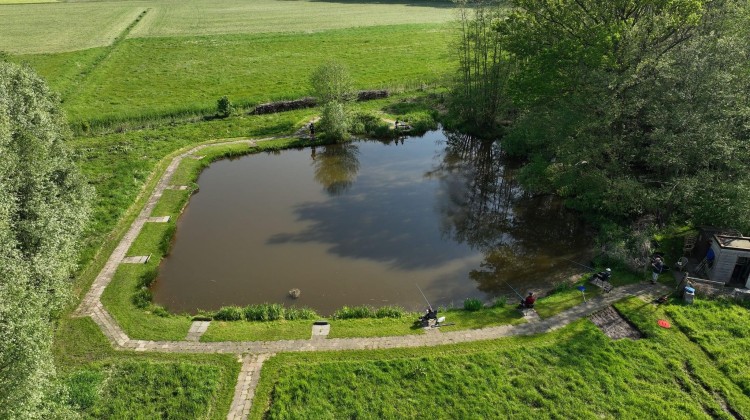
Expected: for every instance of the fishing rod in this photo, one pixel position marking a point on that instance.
(514, 290)
(582, 265)
(425, 297)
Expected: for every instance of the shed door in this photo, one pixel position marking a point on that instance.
(741, 271)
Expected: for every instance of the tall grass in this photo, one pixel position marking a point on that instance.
(264, 312)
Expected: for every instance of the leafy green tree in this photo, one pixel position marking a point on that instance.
(44, 207)
(479, 94)
(331, 82)
(333, 86)
(633, 108)
(334, 121)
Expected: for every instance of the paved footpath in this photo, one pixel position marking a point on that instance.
(255, 352)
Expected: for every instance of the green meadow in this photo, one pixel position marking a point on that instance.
(575, 372)
(139, 81)
(120, 61)
(193, 72)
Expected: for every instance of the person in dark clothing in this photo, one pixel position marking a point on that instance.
(312, 131)
(604, 275)
(529, 301)
(657, 266)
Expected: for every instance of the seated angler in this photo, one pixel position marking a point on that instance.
(528, 303)
(604, 275)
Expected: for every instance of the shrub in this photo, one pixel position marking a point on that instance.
(142, 298)
(256, 313)
(275, 311)
(500, 302)
(331, 82)
(354, 312)
(161, 311)
(224, 107)
(421, 122)
(229, 313)
(370, 125)
(472, 304)
(166, 240)
(147, 278)
(300, 313)
(390, 312)
(334, 123)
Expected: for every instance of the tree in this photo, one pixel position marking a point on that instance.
(44, 207)
(479, 96)
(331, 82)
(633, 108)
(332, 86)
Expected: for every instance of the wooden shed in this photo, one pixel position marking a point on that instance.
(732, 263)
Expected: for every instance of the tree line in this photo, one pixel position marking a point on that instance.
(630, 110)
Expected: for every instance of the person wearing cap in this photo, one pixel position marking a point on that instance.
(604, 275)
(656, 268)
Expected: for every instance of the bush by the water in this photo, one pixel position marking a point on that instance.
(390, 312)
(367, 124)
(142, 298)
(472, 304)
(354, 312)
(334, 122)
(294, 313)
(500, 302)
(421, 121)
(263, 312)
(229, 313)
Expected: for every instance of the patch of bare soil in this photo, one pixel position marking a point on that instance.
(613, 325)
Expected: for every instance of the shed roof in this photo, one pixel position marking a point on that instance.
(733, 242)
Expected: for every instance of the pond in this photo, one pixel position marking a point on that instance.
(365, 223)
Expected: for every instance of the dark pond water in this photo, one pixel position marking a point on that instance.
(362, 223)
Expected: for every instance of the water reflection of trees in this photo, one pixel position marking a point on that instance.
(523, 238)
(336, 166)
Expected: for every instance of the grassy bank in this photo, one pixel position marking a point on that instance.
(721, 329)
(572, 373)
(104, 383)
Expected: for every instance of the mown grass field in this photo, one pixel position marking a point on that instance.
(60, 27)
(72, 25)
(193, 72)
(180, 57)
(206, 17)
(576, 372)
